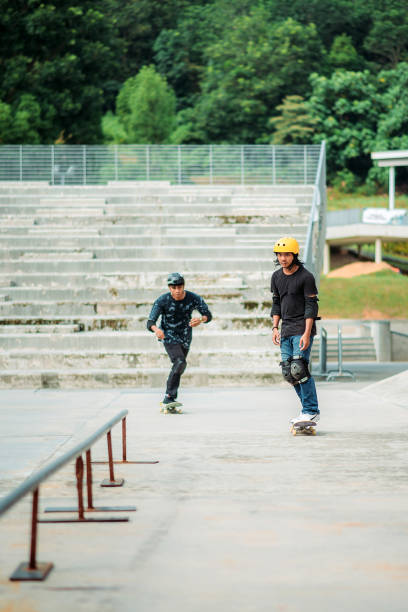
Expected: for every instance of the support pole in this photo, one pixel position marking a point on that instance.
(89, 480)
(111, 482)
(326, 258)
(33, 548)
(378, 251)
(391, 188)
(79, 473)
(33, 570)
(124, 440)
(124, 449)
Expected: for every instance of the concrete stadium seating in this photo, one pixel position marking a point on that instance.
(81, 266)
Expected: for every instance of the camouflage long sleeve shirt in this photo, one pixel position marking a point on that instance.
(176, 316)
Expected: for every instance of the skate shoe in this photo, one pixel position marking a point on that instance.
(169, 404)
(306, 416)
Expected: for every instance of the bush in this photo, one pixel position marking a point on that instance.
(345, 181)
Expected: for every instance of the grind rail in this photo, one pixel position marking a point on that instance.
(34, 570)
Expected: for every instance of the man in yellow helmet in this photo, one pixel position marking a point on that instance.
(294, 296)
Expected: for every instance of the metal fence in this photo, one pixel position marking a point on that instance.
(183, 164)
(316, 233)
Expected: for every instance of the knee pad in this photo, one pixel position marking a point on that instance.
(286, 372)
(299, 369)
(179, 366)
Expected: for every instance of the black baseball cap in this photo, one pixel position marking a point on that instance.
(175, 279)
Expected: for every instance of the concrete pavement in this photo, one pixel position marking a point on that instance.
(238, 516)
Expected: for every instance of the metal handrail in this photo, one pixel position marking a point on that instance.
(31, 483)
(397, 333)
(34, 570)
(317, 216)
(339, 373)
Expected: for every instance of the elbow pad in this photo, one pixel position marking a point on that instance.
(276, 306)
(311, 307)
(208, 315)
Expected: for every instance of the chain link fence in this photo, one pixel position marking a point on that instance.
(183, 164)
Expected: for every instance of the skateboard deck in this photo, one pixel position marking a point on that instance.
(306, 428)
(172, 408)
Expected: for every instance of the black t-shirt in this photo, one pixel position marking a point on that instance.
(289, 292)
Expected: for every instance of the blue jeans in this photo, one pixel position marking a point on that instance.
(306, 391)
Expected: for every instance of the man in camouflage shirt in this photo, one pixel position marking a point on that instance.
(175, 331)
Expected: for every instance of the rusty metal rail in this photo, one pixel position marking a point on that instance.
(34, 570)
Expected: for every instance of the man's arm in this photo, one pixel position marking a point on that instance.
(204, 311)
(275, 313)
(275, 329)
(305, 339)
(151, 322)
(311, 312)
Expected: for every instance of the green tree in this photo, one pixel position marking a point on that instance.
(59, 54)
(387, 39)
(179, 53)
(21, 123)
(392, 127)
(346, 107)
(294, 124)
(140, 22)
(248, 73)
(146, 108)
(112, 129)
(343, 54)
(331, 17)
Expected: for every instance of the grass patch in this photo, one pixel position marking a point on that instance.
(338, 200)
(383, 295)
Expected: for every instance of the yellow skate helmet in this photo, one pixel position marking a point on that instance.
(286, 245)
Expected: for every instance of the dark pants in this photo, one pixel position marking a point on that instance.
(177, 354)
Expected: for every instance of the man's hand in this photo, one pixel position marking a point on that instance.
(159, 333)
(197, 320)
(275, 336)
(304, 342)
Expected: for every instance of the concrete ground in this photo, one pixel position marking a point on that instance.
(237, 516)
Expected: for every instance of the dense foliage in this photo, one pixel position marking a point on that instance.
(200, 71)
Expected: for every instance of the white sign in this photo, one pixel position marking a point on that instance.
(384, 216)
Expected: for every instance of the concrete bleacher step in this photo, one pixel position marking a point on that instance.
(122, 266)
(353, 349)
(128, 280)
(37, 327)
(111, 295)
(187, 219)
(148, 252)
(84, 207)
(161, 229)
(205, 237)
(131, 340)
(128, 322)
(119, 359)
(108, 378)
(221, 305)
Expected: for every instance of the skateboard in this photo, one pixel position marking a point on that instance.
(306, 428)
(172, 408)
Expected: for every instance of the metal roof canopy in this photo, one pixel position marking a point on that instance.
(391, 159)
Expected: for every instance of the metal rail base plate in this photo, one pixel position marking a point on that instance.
(96, 509)
(112, 483)
(23, 572)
